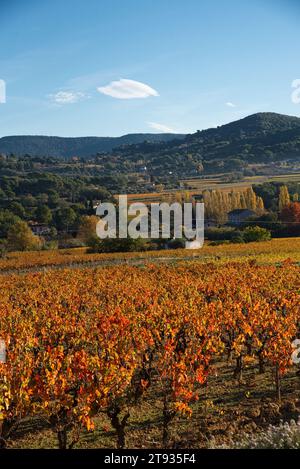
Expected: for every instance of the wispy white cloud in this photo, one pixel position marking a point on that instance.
(67, 97)
(161, 128)
(127, 89)
(230, 104)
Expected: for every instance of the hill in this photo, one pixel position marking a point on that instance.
(66, 147)
(261, 138)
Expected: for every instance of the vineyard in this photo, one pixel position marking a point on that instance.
(267, 252)
(149, 355)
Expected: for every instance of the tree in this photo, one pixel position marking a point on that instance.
(7, 219)
(268, 220)
(65, 218)
(28, 201)
(291, 213)
(17, 209)
(296, 197)
(284, 197)
(43, 214)
(21, 238)
(255, 233)
(268, 192)
(219, 203)
(87, 228)
(53, 198)
(260, 208)
(250, 198)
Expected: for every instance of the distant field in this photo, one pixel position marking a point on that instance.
(195, 186)
(153, 197)
(285, 178)
(217, 182)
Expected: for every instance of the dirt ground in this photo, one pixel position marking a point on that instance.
(226, 408)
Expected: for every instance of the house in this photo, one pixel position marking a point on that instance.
(142, 169)
(210, 224)
(238, 216)
(39, 229)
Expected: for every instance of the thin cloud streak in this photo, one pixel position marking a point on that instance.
(230, 104)
(161, 128)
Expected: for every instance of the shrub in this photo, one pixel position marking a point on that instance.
(21, 238)
(255, 233)
(67, 243)
(218, 243)
(284, 436)
(109, 245)
(219, 234)
(50, 245)
(177, 243)
(238, 238)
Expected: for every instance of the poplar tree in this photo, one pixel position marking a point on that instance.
(284, 197)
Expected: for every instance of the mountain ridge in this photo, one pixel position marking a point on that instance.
(260, 136)
(66, 147)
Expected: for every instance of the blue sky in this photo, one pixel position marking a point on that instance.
(183, 65)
